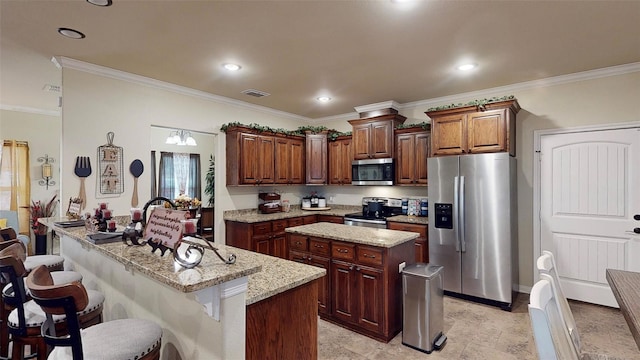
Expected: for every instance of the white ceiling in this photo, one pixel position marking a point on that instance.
(357, 52)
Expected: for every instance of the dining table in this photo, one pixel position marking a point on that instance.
(626, 289)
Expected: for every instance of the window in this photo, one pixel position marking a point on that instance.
(15, 186)
(179, 173)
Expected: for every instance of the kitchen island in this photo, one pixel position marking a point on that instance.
(364, 290)
(213, 311)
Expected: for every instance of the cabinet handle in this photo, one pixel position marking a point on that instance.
(357, 268)
(319, 246)
(369, 256)
(351, 267)
(344, 251)
(309, 258)
(298, 243)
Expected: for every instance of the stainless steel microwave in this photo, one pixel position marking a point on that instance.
(372, 172)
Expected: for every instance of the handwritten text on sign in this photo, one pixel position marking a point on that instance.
(164, 226)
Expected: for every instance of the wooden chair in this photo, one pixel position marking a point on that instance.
(23, 318)
(114, 340)
(13, 225)
(206, 223)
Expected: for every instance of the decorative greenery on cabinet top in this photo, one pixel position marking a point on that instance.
(479, 103)
(332, 134)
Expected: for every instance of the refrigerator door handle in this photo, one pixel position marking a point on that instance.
(456, 201)
(461, 222)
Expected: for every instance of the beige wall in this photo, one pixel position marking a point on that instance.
(42, 132)
(94, 105)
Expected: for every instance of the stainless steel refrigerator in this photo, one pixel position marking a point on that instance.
(473, 225)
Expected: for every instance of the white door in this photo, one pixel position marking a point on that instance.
(589, 194)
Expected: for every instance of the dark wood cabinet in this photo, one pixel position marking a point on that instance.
(340, 158)
(412, 151)
(289, 161)
(263, 158)
(363, 289)
(267, 237)
(316, 157)
(331, 218)
(474, 129)
(421, 242)
(373, 137)
(314, 251)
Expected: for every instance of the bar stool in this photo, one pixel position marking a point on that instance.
(115, 340)
(53, 262)
(26, 317)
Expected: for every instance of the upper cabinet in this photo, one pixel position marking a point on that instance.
(289, 160)
(263, 158)
(412, 150)
(340, 157)
(373, 137)
(474, 129)
(316, 156)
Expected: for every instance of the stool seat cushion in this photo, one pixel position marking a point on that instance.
(35, 316)
(49, 261)
(115, 340)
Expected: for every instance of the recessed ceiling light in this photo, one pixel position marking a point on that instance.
(323, 98)
(100, 2)
(467, 67)
(70, 33)
(232, 67)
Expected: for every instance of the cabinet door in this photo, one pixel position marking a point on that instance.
(381, 139)
(486, 131)
(449, 135)
(316, 159)
(263, 245)
(422, 255)
(342, 298)
(422, 150)
(249, 144)
(340, 158)
(405, 172)
(282, 161)
(324, 285)
(369, 297)
(361, 141)
(279, 246)
(297, 162)
(266, 159)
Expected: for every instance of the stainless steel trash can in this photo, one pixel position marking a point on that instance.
(422, 304)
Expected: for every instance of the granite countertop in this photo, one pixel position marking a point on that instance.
(422, 220)
(279, 275)
(254, 216)
(267, 275)
(355, 234)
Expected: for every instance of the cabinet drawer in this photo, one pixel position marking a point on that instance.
(319, 246)
(299, 242)
(421, 229)
(309, 219)
(294, 222)
(369, 256)
(343, 251)
(278, 226)
(261, 228)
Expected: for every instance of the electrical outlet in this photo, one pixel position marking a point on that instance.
(401, 266)
(332, 199)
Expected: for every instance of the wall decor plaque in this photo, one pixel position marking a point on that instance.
(110, 165)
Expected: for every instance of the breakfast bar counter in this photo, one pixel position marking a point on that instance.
(238, 298)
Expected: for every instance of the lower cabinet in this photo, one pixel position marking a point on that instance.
(266, 237)
(363, 288)
(421, 242)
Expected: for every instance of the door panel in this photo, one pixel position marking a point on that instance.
(487, 237)
(588, 196)
(442, 242)
(343, 285)
(369, 296)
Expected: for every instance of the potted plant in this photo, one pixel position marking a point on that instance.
(37, 211)
(210, 187)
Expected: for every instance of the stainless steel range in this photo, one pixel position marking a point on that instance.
(375, 212)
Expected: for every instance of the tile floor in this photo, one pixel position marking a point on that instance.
(477, 331)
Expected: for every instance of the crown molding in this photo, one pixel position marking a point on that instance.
(391, 104)
(68, 63)
(527, 85)
(30, 110)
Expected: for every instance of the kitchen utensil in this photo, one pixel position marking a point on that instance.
(82, 170)
(136, 168)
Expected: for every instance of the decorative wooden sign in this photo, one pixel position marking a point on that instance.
(75, 208)
(110, 159)
(163, 229)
